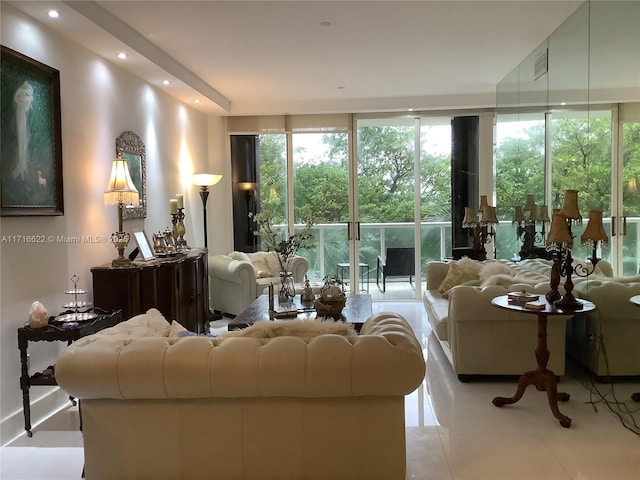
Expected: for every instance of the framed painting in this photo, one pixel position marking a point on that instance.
(30, 138)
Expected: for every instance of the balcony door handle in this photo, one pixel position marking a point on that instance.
(613, 226)
(624, 225)
(348, 230)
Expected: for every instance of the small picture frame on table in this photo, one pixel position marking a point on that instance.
(144, 247)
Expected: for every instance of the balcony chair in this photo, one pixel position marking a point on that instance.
(398, 262)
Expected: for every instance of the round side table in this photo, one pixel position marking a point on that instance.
(543, 378)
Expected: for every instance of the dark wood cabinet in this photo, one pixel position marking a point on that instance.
(176, 286)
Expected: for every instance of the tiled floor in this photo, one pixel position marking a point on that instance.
(453, 430)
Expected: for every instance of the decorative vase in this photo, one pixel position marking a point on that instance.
(287, 287)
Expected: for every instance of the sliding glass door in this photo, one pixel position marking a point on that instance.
(321, 194)
(628, 233)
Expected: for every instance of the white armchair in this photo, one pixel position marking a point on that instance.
(237, 279)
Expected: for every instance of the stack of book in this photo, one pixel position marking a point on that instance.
(530, 301)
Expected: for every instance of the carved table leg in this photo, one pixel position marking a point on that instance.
(543, 379)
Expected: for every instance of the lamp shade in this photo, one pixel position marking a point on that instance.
(205, 179)
(543, 213)
(559, 231)
(595, 230)
(484, 205)
(529, 202)
(121, 189)
(570, 207)
(469, 217)
(490, 215)
(533, 214)
(247, 186)
(518, 215)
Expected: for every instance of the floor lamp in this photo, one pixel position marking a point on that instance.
(204, 181)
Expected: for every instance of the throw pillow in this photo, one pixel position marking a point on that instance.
(273, 263)
(262, 269)
(262, 262)
(293, 328)
(176, 329)
(459, 272)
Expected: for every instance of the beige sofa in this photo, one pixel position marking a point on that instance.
(607, 341)
(481, 339)
(327, 407)
(237, 279)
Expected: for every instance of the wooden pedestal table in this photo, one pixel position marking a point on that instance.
(543, 379)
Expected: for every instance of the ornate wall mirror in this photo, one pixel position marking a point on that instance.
(132, 149)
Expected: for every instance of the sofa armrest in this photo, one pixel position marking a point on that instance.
(230, 270)
(299, 268)
(436, 271)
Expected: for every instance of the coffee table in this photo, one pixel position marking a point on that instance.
(357, 309)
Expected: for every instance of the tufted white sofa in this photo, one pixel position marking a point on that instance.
(481, 339)
(607, 340)
(237, 279)
(159, 407)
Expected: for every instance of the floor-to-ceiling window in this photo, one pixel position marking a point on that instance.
(628, 201)
(321, 194)
(520, 171)
(387, 186)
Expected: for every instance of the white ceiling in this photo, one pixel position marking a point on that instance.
(275, 57)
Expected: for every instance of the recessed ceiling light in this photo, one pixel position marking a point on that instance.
(341, 87)
(54, 13)
(166, 82)
(197, 100)
(122, 56)
(325, 24)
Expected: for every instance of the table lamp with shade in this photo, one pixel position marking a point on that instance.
(594, 233)
(120, 191)
(204, 181)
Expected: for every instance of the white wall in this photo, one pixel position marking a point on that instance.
(99, 101)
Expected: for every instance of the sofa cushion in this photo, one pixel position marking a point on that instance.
(460, 271)
(437, 312)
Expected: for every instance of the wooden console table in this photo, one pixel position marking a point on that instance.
(543, 379)
(177, 286)
(53, 333)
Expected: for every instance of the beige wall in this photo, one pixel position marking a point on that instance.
(99, 101)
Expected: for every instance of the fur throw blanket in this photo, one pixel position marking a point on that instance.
(293, 328)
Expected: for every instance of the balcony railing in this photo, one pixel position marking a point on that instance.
(435, 238)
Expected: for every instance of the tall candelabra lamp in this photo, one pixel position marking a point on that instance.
(526, 218)
(481, 227)
(204, 181)
(560, 243)
(120, 191)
